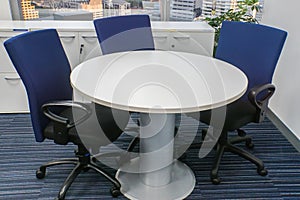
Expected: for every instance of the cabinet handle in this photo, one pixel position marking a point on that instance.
(160, 37)
(181, 37)
(90, 36)
(12, 78)
(4, 37)
(68, 36)
(81, 48)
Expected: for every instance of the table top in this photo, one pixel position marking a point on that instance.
(159, 81)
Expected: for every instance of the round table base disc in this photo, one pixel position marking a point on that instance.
(181, 185)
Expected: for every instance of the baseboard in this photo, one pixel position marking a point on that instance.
(290, 136)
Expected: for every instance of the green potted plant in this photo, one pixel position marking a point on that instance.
(246, 11)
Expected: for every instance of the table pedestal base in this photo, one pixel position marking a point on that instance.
(180, 186)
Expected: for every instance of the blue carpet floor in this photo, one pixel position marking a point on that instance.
(20, 156)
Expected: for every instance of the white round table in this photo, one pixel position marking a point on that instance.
(158, 84)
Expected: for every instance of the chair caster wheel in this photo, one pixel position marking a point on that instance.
(94, 159)
(215, 181)
(262, 172)
(40, 173)
(241, 133)
(115, 192)
(249, 144)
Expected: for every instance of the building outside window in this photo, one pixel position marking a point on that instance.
(28, 10)
(218, 7)
(158, 10)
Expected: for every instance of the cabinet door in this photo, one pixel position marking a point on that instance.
(70, 43)
(89, 46)
(13, 95)
(192, 42)
(5, 63)
(161, 40)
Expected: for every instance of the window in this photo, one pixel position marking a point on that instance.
(158, 10)
(218, 7)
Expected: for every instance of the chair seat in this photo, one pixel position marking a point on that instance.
(238, 114)
(97, 130)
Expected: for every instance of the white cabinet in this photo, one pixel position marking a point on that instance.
(80, 43)
(5, 63)
(192, 37)
(89, 45)
(197, 43)
(13, 95)
(88, 48)
(161, 40)
(69, 40)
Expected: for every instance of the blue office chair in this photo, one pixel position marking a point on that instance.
(255, 49)
(124, 33)
(41, 62)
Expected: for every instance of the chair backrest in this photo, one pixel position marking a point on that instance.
(124, 33)
(42, 64)
(253, 48)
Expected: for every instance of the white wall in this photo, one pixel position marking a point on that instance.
(286, 102)
(5, 10)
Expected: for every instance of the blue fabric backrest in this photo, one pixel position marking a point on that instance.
(124, 33)
(253, 48)
(41, 62)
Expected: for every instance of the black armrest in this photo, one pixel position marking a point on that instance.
(61, 123)
(259, 97)
(46, 108)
